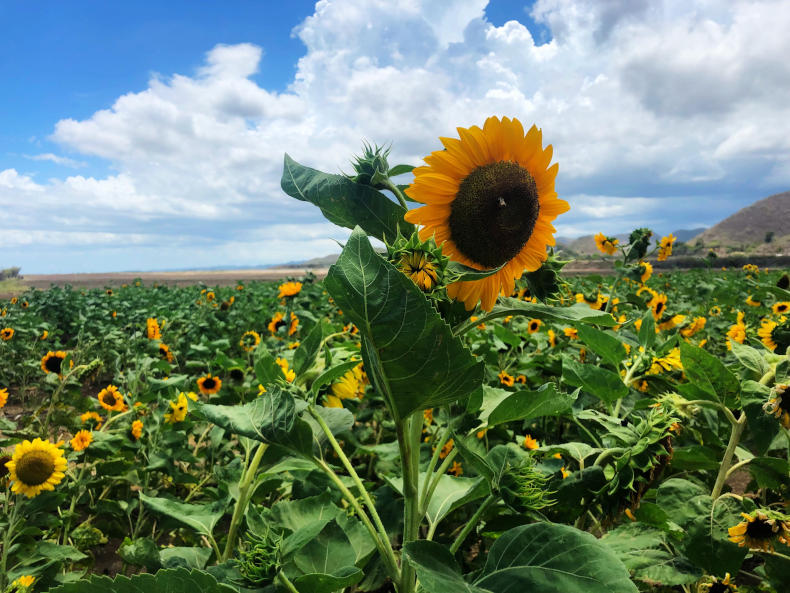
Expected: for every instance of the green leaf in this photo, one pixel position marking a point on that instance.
(177, 580)
(647, 331)
(683, 501)
(750, 358)
(602, 383)
(451, 492)
(345, 202)
(267, 371)
(708, 373)
(399, 170)
(327, 583)
(604, 345)
(306, 353)
(200, 517)
(526, 405)
(187, 557)
(577, 313)
(707, 543)
(436, 568)
(140, 552)
(270, 418)
(458, 272)
(770, 472)
(329, 375)
(409, 352)
(327, 561)
(549, 558)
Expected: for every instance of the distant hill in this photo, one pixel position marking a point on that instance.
(683, 235)
(761, 228)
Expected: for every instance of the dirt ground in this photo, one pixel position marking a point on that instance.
(208, 277)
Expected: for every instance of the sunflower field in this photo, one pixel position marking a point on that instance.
(449, 413)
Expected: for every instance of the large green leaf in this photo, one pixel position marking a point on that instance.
(200, 517)
(436, 568)
(271, 418)
(604, 345)
(578, 313)
(177, 580)
(709, 374)
(451, 492)
(526, 405)
(326, 562)
(306, 353)
(602, 383)
(409, 351)
(552, 558)
(345, 202)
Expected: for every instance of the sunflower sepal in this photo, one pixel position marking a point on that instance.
(421, 261)
(545, 282)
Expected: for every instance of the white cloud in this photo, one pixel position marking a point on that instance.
(638, 98)
(58, 160)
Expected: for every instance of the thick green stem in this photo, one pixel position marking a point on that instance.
(437, 452)
(8, 538)
(735, 438)
(398, 193)
(286, 582)
(409, 442)
(472, 523)
(247, 478)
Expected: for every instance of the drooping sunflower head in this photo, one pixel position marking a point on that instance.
(775, 336)
(659, 306)
(52, 362)
(489, 201)
(236, 374)
(533, 326)
(111, 399)
(209, 384)
(646, 270)
(178, 409)
(164, 352)
(36, 466)
(606, 245)
(779, 404)
(757, 531)
(714, 585)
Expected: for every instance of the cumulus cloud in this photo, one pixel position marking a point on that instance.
(660, 113)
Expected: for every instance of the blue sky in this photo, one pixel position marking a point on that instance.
(150, 135)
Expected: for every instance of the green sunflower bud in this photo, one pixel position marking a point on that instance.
(87, 536)
(421, 261)
(372, 167)
(260, 559)
(545, 282)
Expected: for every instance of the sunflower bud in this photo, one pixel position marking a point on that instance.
(372, 167)
(421, 261)
(545, 282)
(260, 559)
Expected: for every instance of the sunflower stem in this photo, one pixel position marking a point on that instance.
(245, 493)
(398, 193)
(8, 538)
(471, 524)
(286, 582)
(409, 431)
(735, 438)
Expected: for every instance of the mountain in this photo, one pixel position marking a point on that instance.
(763, 227)
(683, 235)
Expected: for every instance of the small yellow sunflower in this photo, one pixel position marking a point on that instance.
(249, 340)
(505, 379)
(752, 303)
(36, 466)
(671, 322)
(781, 308)
(81, 440)
(606, 245)
(179, 408)
(647, 271)
(420, 269)
(53, 361)
(289, 374)
(489, 201)
(659, 305)
(571, 332)
(552, 338)
(714, 585)
(665, 247)
(667, 363)
(696, 325)
(209, 384)
(533, 326)
(92, 417)
(164, 352)
(6, 333)
(152, 328)
(289, 289)
(278, 321)
(111, 399)
(779, 404)
(530, 443)
(137, 429)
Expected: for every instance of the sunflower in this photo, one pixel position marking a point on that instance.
(108, 292)
(278, 321)
(505, 379)
(3, 397)
(14, 300)
(349, 386)
(53, 361)
(249, 340)
(606, 245)
(552, 338)
(696, 325)
(420, 269)
(137, 430)
(646, 271)
(179, 408)
(81, 440)
(571, 332)
(667, 363)
(111, 399)
(779, 405)
(24, 581)
(671, 322)
(209, 384)
(289, 374)
(36, 466)
(530, 443)
(775, 336)
(533, 326)
(489, 201)
(164, 352)
(781, 308)
(665, 247)
(714, 585)
(658, 304)
(289, 289)
(714, 311)
(92, 417)
(151, 328)
(757, 531)
(6, 333)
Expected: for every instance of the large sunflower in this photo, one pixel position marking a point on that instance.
(775, 336)
(757, 531)
(52, 362)
(36, 466)
(489, 201)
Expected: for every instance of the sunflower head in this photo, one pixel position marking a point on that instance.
(784, 282)
(81, 440)
(489, 201)
(52, 362)
(36, 466)
(6, 333)
(111, 399)
(781, 308)
(249, 340)
(779, 404)
(209, 384)
(775, 336)
(759, 530)
(289, 289)
(606, 245)
(421, 261)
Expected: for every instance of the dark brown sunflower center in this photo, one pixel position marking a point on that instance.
(719, 588)
(784, 402)
(759, 529)
(494, 213)
(53, 364)
(209, 383)
(659, 308)
(781, 335)
(35, 467)
(109, 398)
(237, 374)
(280, 324)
